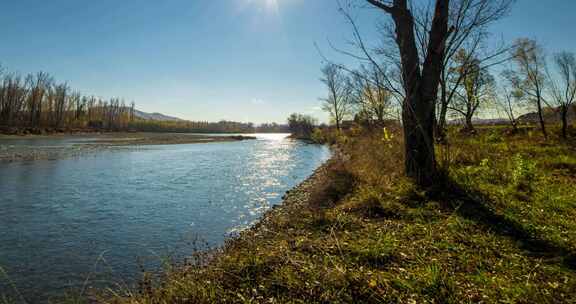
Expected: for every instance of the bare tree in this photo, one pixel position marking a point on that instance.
(371, 96)
(338, 102)
(12, 99)
(530, 75)
(39, 86)
(563, 86)
(469, 20)
(420, 82)
(37, 102)
(60, 98)
(477, 88)
(508, 101)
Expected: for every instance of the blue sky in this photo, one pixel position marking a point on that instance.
(246, 60)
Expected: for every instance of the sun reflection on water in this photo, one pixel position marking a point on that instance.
(266, 173)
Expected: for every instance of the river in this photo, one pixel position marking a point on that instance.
(96, 219)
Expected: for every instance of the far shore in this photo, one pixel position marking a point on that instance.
(145, 139)
(12, 150)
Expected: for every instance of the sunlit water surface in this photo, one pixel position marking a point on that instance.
(97, 218)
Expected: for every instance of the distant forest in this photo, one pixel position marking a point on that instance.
(223, 126)
(37, 104)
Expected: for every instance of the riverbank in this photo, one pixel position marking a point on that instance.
(28, 131)
(59, 146)
(146, 139)
(500, 227)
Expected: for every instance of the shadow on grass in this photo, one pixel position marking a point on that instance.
(475, 205)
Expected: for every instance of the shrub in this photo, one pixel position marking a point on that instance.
(318, 136)
(523, 173)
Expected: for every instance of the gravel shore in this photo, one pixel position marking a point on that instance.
(13, 150)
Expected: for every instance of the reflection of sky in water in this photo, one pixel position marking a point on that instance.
(58, 217)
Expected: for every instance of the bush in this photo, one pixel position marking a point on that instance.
(523, 173)
(318, 136)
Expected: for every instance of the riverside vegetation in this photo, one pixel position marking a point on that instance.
(37, 104)
(498, 227)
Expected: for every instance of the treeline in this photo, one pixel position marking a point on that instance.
(185, 126)
(38, 102)
(223, 126)
(475, 78)
(273, 128)
(532, 82)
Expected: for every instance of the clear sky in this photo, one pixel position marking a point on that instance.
(245, 60)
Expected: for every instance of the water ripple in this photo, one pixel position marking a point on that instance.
(60, 218)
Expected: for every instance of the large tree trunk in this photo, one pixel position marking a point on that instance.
(422, 89)
(420, 159)
(418, 111)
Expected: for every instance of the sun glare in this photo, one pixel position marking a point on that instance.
(269, 6)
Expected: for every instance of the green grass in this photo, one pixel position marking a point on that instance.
(501, 228)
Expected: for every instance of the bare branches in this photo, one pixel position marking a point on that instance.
(37, 102)
(508, 101)
(469, 20)
(366, 56)
(338, 101)
(477, 88)
(383, 6)
(530, 75)
(563, 85)
(372, 99)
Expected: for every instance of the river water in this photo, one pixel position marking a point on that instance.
(95, 220)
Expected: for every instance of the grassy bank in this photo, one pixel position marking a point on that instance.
(499, 228)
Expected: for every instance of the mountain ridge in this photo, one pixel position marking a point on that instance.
(155, 116)
(550, 115)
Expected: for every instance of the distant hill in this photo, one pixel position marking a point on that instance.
(550, 115)
(155, 116)
(490, 121)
